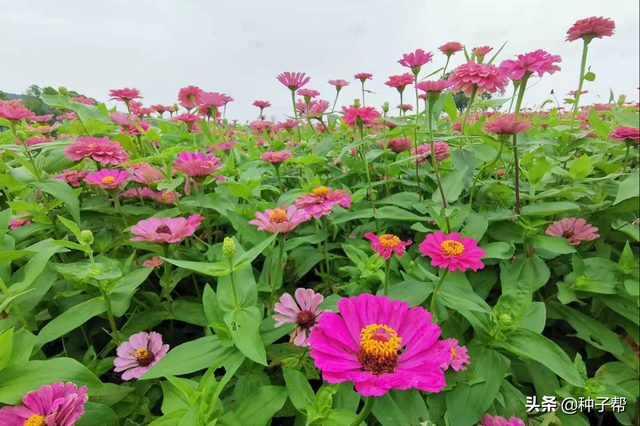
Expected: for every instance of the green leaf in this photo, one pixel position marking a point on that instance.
(97, 415)
(259, 407)
(629, 188)
(498, 250)
(120, 296)
(548, 209)
(400, 407)
(71, 319)
(11, 255)
(622, 306)
(453, 184)
(580, 167)
(413, 291)
(590, 76)
(213, 269)
(598, 124)
(244, 327)
(539, 169)
(84, 111)
(62, 191)
(72, 226)
(299, 389)
(557, 245)
(246, 258)
(6, 348)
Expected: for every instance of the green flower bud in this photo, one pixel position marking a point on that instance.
(63, 90)
(356, 103)
(228, 248)
(505, 319)
(86, 237)
(385, 107)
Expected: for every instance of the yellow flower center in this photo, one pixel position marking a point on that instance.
(453, 352)
(452, 248)
(166, 196)
(321, 191)
(278, 216)
(91, 145)
(276, 154)
(144, 357)
(379, 345)
(389, 241)
(108, 179)
(35, 420)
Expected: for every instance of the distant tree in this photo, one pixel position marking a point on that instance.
(3, 96)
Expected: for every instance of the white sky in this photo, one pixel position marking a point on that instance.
(238, 47)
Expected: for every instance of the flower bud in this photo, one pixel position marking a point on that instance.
(356, 103)
(505, 319)
(63, 90)
(86, 237)
(385, 107)
(228, 248)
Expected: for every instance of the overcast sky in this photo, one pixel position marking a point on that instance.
(238, 47)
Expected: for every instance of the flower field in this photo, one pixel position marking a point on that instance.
(457, 260)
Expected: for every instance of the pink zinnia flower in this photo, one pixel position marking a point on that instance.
(13, 110)
(166, 230)
(277, 157)
(590, 28)
(405, 107)
(452, 251)
(42, 118)
(308, 93)
(506, 125)
(415, 60)
(353, 115)
(222, 146)
(487, 78)
(101, 150)
(281, 219)
(108, 179)
(293, 80)
(197, 167)
(400, 82)
(261, 104)
(488, 420)
(35, 140)
(288, 124)
(573, 229)
(83, 100)
(339, 84)
(137, 193)
(145, 174)
(318, 107)
(260, 126)
(538, 61)
(379, 345)
(387, 244)
(458, 358)
(139, 354)
(154, 262)
(626, 134)
(17, 223)
(124, 95)
(424, 151)
(436, 86)
(57, 404)
(481, 51)
(574, 93)
(67, 116)
(451, 48)
(133, 128)
(363, 76)
(72, 177)
(188, 118)
(321, 201)
(120, 118)
(397, 145)
(165, 197)
(304, 314)
(212, 99)
(189, 97)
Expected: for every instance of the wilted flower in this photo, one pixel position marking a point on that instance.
(452, 251)
(304, 314)
(139, 354)
(575, 230)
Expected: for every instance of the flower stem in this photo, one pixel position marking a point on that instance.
(443, 274)
(415, 140)
(166, 276)
(516, 160)
(335, 102)
(362, 93)
(112, 321)
(234, 288)
(435, 166)
(444, 71)
(466, 113)
(325, 227)
(486, 166)
(14, 306)
(295, 112)
(279, 179)
(583, 68)
(387, 273)
(626, 156)
(274, 283)
(366, 169)
(368, 405)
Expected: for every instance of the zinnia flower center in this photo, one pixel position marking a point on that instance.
(453, 352)
(452, 248)
(389, 241)
(568, 233)
(379, 345)
(305, 319)
(163, 229)
(321, 191)
(108, 179)
(35, 420)
(278, 216)
(144, 357)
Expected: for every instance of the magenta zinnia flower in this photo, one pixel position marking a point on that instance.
(277, 157)
(451, 48)
(281, 219)
(101, 150)
(353, 115)
(415, 60)
(139, 354)
(379, 345)
(452, 251)
(154, 262)
(166, 230)
(626, 134)
(573, 229)
(387, 244)
(506, 125)
(189, 97)
(424, 151)
(363, 76)
(487, 78)
(108, 179)
(538, 61)
(293, 80)
(458, 358)
(261, 104)
(125, 95)
(590, 28)
(72, 177)
(304, 314)
(400, 82)
(488, 420)
(397, 145)
(13, 110)
(17, 223)
(321, 201)
(58, 404)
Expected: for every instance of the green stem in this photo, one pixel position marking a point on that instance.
(626, 156)
(466, 113)
(14, 306)
(434, 164)
(583, 68)
(362, 92)
(278, 267)
(444, 71)
(368, 405)
(415, 141)
(295, 112)
(387, 273)
(279, 179)
(486, 166)
(112, 321)
(335, 101)
(234, 288)
(325, 227)
(434, 314)
(366, 169)
(166, 276)
(516, 159)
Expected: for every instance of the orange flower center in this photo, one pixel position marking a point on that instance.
(379, 345)
(389, 241)
(453, 352)
(278, 216)
(321, 191)
(108, 179)
(452, 248)
(35, 420)
(166, 196)
(91, 145)
(144, 357)
(276, 154)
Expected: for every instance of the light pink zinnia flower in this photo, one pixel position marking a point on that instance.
(506, 125)
(400, 82)
(415, 60)
(574, 230)
(72, 177)
(353, 115)
(261, 104)
(139, 354)
(387, 244)
(459, 356)
(68, 116)
(590, 28)
(308, 93)
(166, 197)
(108, 179)
(154, 262)
(487, 78)
(397, 145)
(42, 118)
(13, 110)
(293, 80)
(452, 251)
(281, 219)
(189, 97)
(431, 86)
(424, 151)
(304, 314)
(277, 157)
(125, 95)
(17, 223)
(363, 76)
(626, 134)
(450, 48)
(83, 100)
(166, 230)
(539, 61)
(288, 124)
(137, 193)
(321, 201)
(101, 150)
(57, 404)
(222, 146)
(145, 174)
(574, 93)
(212, 99)
(197, 167)
(488, 420)
(379, 345)
(405, 107)
(339, 84)
(35, 140)
(481, 51)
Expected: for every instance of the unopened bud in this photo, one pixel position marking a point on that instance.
(228, 248)
(86, 237)
(63, 90)
(505, 319)
(356, 103)
(385, 107)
